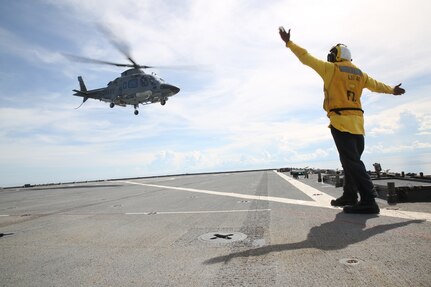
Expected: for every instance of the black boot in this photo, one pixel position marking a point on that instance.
(363, 208)
(343, 201)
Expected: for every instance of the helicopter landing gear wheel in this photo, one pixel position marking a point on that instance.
(163, 102)
(111, 105)
(136, 112)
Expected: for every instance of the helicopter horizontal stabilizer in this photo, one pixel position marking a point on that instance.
(81, 93)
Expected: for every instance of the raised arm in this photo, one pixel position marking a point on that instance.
(323, 68)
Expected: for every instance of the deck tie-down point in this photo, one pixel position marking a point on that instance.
(227, 236)
(222, 237)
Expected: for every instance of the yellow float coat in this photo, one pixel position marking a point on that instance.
(343, 83)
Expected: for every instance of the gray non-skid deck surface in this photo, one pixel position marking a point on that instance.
(146, 233)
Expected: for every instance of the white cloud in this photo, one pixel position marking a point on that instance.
(390, 149)
(389, 120)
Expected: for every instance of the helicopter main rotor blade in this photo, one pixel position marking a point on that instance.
(124, 48)
(95, 61)
(121, 46)
(184, 67)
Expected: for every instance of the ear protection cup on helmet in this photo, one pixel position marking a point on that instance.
(339, 52)
(332, 56)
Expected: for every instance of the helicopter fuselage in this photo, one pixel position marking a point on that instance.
(134, 87)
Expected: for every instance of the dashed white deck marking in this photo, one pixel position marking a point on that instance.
(196, 212)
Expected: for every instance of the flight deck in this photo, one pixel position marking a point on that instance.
(258, 228)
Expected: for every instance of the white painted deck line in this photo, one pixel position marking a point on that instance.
(322, 200)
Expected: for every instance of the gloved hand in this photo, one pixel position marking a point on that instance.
(398, 90)
(284, 36)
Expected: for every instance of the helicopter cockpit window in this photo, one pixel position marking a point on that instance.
(133, 83)
(144, 81)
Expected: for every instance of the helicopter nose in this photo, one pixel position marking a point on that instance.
(171, 88)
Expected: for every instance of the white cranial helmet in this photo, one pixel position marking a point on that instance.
(338, 53)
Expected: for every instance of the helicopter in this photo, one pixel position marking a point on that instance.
(134, 86)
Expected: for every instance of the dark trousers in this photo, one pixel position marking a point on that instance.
(356, 178)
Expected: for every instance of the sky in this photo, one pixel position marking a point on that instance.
(248, 104)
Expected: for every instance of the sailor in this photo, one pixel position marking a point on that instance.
(343, 85)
